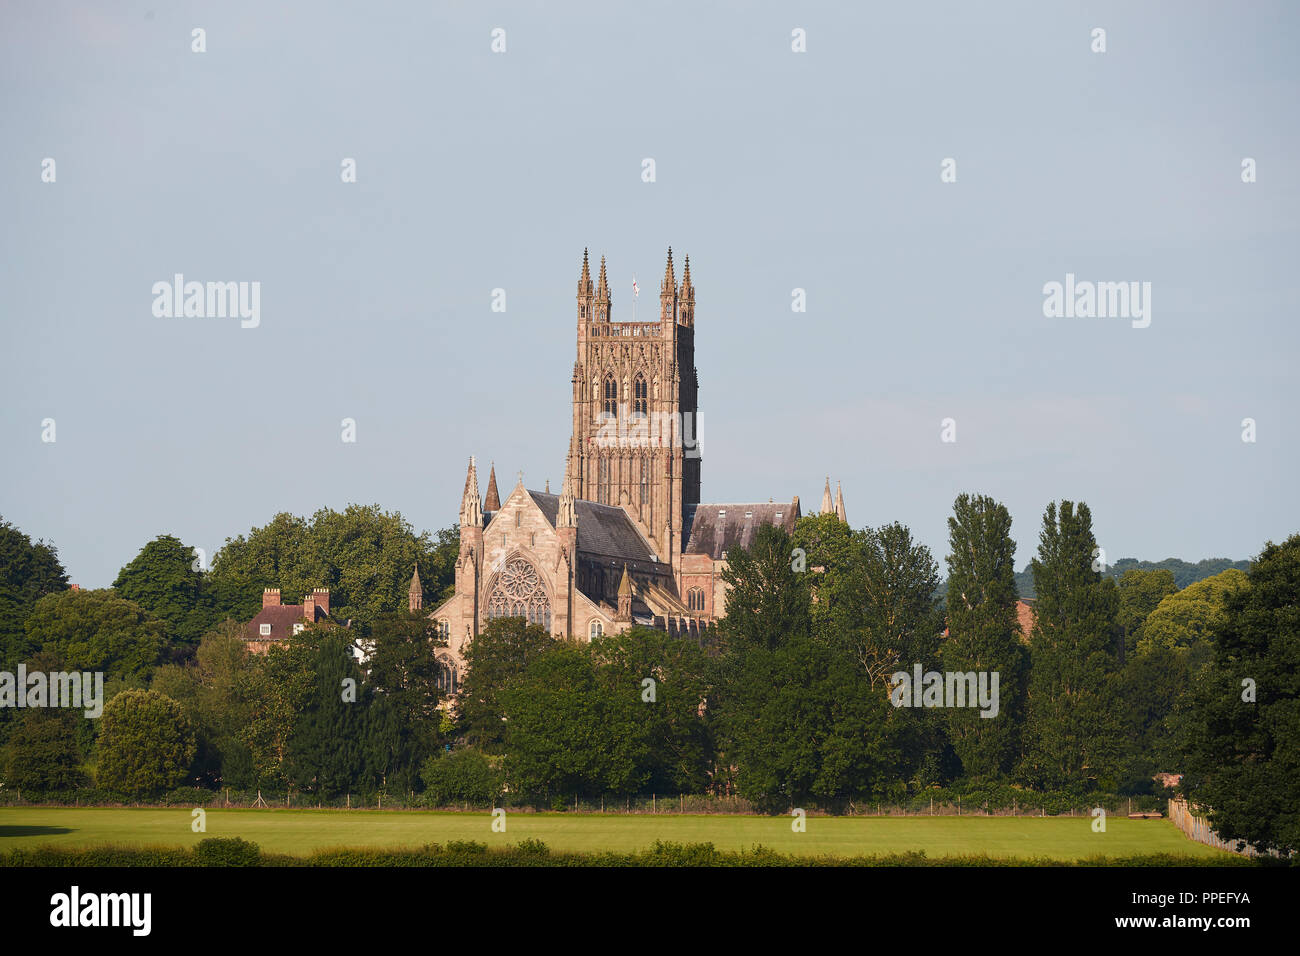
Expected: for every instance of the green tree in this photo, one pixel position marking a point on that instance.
(405, 672)
(983, 634)
(555, 731)
(145, 744)
(1191, 615)
(163, 580)
(326, 748)
(215, 691)
(656, 737)
(497, 656)
(1140, 592)
(1072, 733)
(768, 601)
(28, 571)
(461, 776)
(363, 554)
(43, 753)
(96, 631)
(1241, 730)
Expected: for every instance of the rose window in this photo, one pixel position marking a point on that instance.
(519, 592)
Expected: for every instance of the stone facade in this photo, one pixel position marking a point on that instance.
(627, 541)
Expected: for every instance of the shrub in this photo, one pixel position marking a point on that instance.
(232, 851)
(463, 776)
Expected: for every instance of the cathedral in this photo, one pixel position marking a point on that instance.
(627, 540)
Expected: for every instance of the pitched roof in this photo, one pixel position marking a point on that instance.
(281, 617)
(712, 529)
(602, 529)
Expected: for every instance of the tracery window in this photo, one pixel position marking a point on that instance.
(447, 679)
(519, 592)
(640, 397)
(609, 407)
(695, 599)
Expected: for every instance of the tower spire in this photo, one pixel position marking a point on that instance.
(839, 502)
(493, 500)
(827, 507)
(471, 510)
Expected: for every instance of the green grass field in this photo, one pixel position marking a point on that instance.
(299, 832)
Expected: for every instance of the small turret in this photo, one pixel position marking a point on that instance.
(668, 293)
(584, 291)
(686, 297)
(625, 597)
(603, 302)
(415, 595)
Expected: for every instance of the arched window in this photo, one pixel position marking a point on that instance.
(519, 592)
(640, 397)
(596, 630)
(448, 680)
(609, 407)
(695, 599)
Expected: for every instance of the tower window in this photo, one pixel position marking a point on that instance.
(695, 599)
(640, 397)
(645, 481)
(603, 485)
(609, 406)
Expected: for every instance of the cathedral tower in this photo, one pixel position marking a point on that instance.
(635, 408)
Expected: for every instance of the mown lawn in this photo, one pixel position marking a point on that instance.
(299, 832)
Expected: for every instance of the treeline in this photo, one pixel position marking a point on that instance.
(791, 703)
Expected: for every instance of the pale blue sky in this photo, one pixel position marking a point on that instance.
(775, 170)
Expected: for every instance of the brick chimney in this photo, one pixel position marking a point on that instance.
(321, 597)
(270, 597)
(309, 608)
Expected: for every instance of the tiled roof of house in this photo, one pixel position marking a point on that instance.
(281, 617)
(712, 529)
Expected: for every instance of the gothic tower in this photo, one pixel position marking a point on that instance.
(635, 408)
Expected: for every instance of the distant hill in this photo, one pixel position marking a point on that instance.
(1185, 572)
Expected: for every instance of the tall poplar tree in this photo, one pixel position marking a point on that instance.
(1072, 731)
(982, 632)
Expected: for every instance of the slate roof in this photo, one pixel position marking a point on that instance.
(712, 529)
(602, 529)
